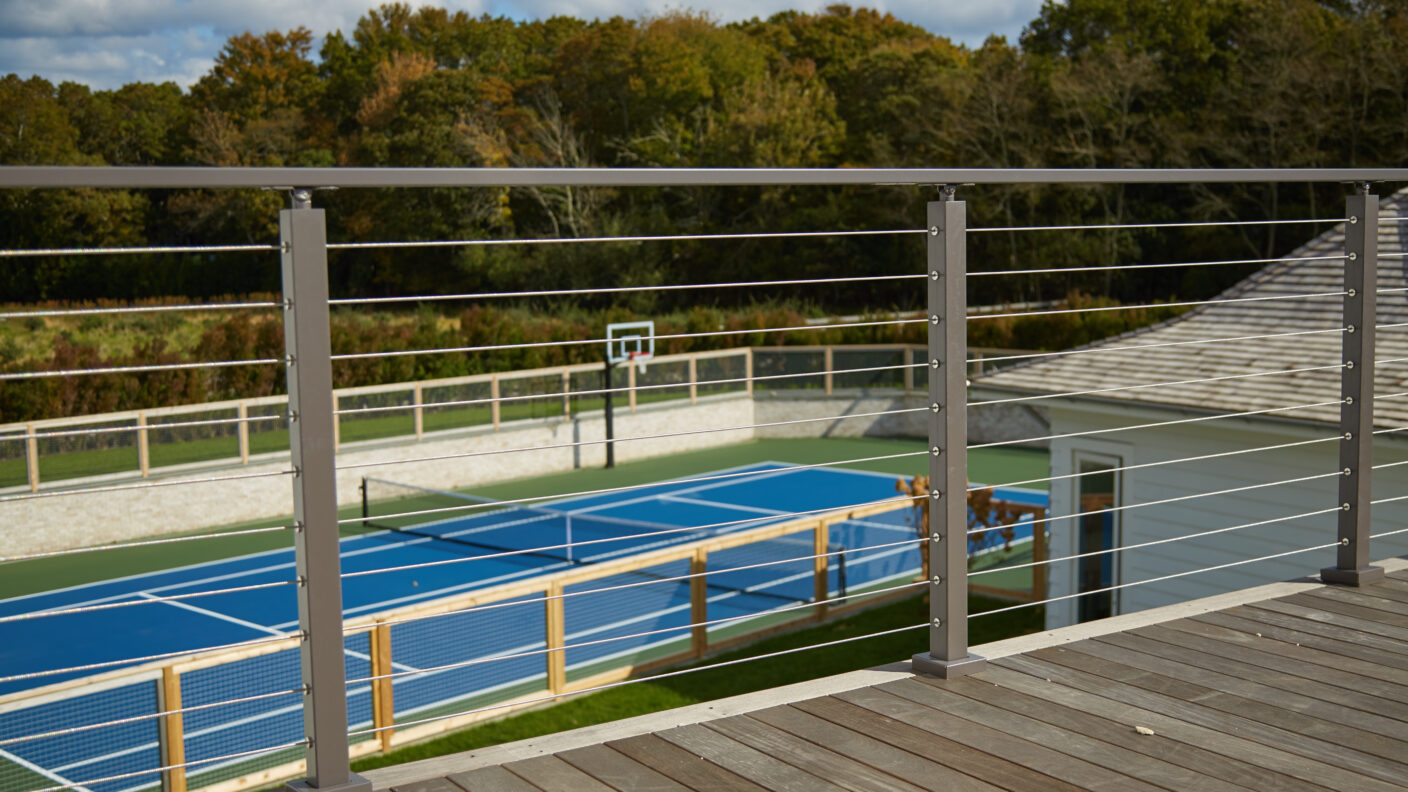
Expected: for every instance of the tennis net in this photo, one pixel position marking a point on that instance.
(775, 568)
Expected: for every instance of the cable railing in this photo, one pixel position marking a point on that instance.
(494, 578)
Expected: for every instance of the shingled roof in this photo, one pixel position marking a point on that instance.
(1193, 361)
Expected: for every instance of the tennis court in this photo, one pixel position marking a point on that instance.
(443, 664)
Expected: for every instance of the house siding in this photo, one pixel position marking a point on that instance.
(1181, 518)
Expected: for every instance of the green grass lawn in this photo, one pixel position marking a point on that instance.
(707, 684)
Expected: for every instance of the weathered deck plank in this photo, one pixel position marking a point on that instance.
(1303, 689)
(994, 769)
(1203, 705)
(551, 774)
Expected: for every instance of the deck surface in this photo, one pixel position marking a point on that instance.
(1302, 692)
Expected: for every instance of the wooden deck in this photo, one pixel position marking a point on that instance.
(1303, 690)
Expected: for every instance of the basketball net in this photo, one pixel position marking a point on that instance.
(639, 359)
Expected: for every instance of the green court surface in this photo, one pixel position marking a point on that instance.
(988, 466)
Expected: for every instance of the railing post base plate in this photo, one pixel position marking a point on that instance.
(949, 669)
(354, 783)
(1352, 577)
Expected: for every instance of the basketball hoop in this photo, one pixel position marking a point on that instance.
(639, 359)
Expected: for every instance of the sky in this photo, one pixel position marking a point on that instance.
(109, 43)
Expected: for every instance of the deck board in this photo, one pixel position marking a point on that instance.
(1303, 689)
(551, 774)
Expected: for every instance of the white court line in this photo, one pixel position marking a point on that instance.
(216, 615)
(52, 776)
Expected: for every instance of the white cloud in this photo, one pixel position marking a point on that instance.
(107, 43)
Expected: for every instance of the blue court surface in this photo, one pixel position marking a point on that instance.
(443, 664)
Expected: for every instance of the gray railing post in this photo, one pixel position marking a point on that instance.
(1361, 282)
(307, 340)
(948, 440)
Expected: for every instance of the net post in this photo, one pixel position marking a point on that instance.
(144, 446)
(699, 603)
(242, 412)
(31, 457)
(312, 442)
(383, 703)
(821, 585)
(829, 358)
(494, 411)
(556, 639)
(171, 732)
(947, 261)
(1361, 282)
(418, 399)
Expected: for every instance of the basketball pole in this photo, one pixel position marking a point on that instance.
(610, 426)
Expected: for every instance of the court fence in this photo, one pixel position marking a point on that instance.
(308, 697)
(216, 434)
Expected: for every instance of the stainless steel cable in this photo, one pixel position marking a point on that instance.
(1390, 326)
(566, 595)
(150, 716)
(126, 251)
(26, 375)
(1160, 463)
(652, 677)
(1394, 499)
(1157, 579)
(1389, 465)
(628, 537)
(1136, 347)
(1104, 268)
(617, 239)
(1116, 226)
(146, 599)
(78, 785)
(145, 543)
(624, 389)
(1155, 385)
(1122, 548)
(142, 485)
(147, 428)
(583, 644)
(630, 487)
(126, 661)
(1128, 506)
(665, 435)
(1199, 419)
(620, 289)
(1219, 301)
(1398, 290)
(1388, 533)
(1391, 431)
(588, 341)
(138, 309)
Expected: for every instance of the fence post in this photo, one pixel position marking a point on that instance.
(1361, 244)
(308, 345)
(948, 440)
(566, 392)
(748, 370)
(631, 385)
(699, 602)
(556, 624)
(242, 412)
(418, 399)
(383, 691)
(821, 584)
(1039, 555)
(144, 447)
(829, 357)
(694, 378)
(31, 457)
(494, 412)
(171, 732)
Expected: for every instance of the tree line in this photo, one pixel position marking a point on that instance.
(1090, 83)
